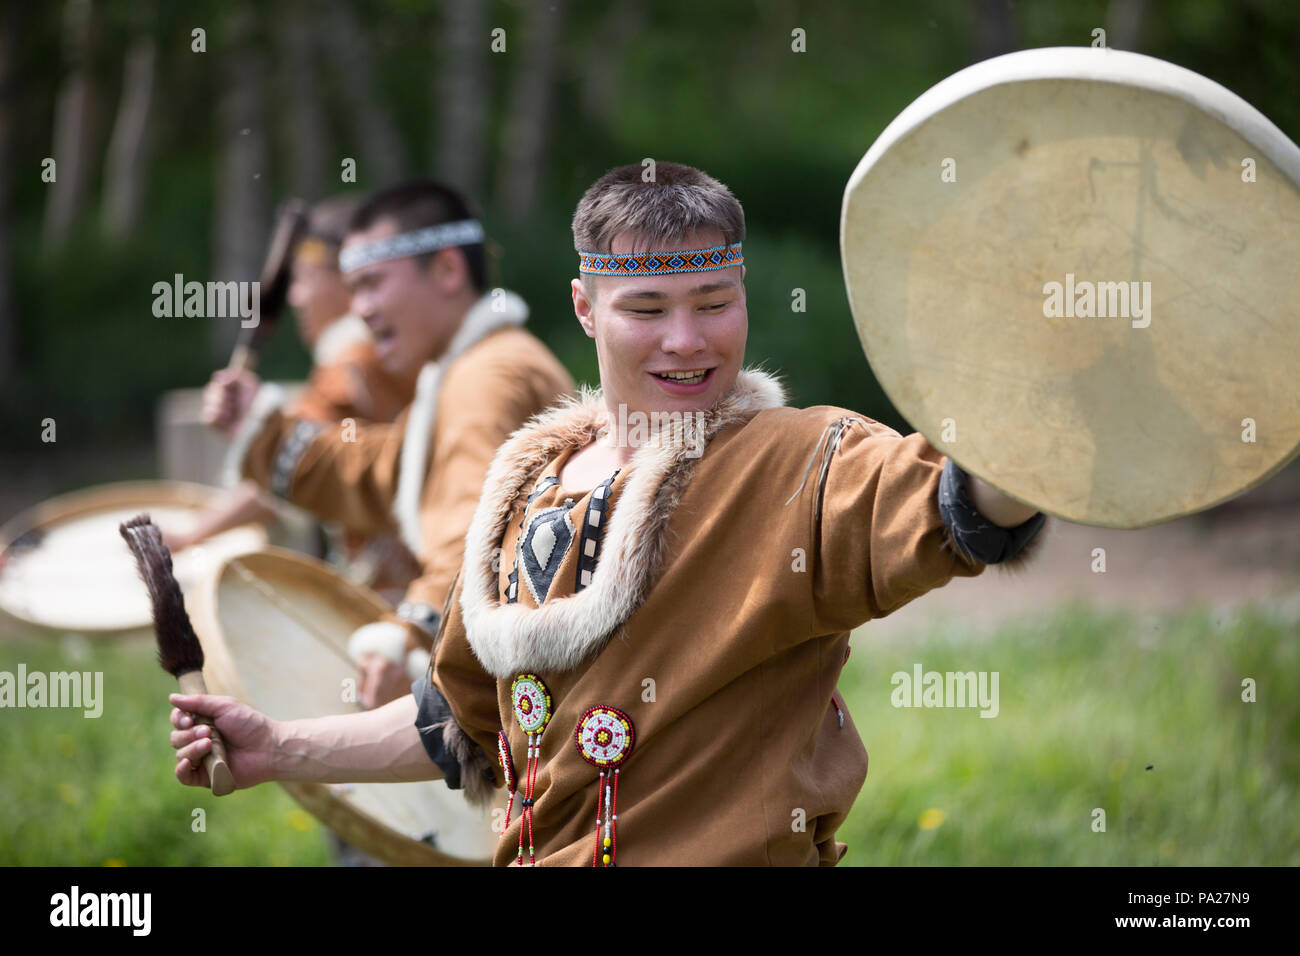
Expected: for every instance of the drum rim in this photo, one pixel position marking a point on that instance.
(1086, 64)
(71, 505)
(331, 810)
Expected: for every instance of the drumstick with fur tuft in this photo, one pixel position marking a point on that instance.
(179, 650)
(273, 286)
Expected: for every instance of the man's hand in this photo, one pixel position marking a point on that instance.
(227, 399)
(249, 737)
(174, 541)
(1003, 511)
(382, 680)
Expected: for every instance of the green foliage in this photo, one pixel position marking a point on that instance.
(715, 85)
(100, 791)
(1087, 702)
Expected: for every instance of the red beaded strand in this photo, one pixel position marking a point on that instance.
(595, 853)
(532, 784)
(508, 770)
(613, 854)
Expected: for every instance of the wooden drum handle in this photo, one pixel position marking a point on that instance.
(214, 761)
(242, 359)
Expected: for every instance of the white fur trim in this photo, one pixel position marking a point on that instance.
(385, 638)
(270, 398)
(494, 310)
(417, 663)
(415, 456)
(337, 337)
(508, 638)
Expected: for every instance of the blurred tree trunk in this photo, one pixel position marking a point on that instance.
(8, 89)
(599, 92)
(309, 147)
(463, 96)
(67, 194)
(127, 167)
(383, 157)
(243, 168)
(994, 30)
(523, 162)
(1125, 20)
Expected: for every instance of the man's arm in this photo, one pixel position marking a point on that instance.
(349, 476)
(242, 505)
(897, 518)
(377, 746)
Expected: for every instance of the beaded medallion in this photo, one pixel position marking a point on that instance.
(604, 736)
(532, 703)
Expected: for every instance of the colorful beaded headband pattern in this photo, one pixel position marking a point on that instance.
(661, 263)
(466, 232)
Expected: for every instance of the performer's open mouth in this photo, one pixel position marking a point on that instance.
(385, 342)
(686, 382)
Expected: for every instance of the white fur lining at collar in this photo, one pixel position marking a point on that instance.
(495, 310)
(509, 639)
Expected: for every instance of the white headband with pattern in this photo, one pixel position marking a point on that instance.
(466, 232)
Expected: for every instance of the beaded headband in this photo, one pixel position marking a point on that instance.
(661, 263)
(315, 251)
(466, 232)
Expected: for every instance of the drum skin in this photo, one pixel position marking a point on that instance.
(64, 567)
(274, 627)
(1074, 271)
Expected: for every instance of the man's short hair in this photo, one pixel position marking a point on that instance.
(417, 205)
(328, 219)
(678, 201)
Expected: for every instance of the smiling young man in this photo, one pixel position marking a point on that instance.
(414, 261)
(644, 642)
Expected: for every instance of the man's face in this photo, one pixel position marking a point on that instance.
(651, 331)
(408, 309)
(317, 294)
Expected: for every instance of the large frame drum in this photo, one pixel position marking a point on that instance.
(274, 627)
(1074, 271)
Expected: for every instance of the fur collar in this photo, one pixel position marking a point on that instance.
(509, 639)
(491, 312)
(337, 337)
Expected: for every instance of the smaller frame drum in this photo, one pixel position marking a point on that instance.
(274, 627)
(65, 567)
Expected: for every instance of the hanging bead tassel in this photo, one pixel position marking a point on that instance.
(613, 827)
(508, 769)
(532, 706)
(604, 738)
(595, 854)
(526, 814)
(532, 783)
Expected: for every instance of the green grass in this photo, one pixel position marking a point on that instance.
(91, 792)
(1086, 701)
